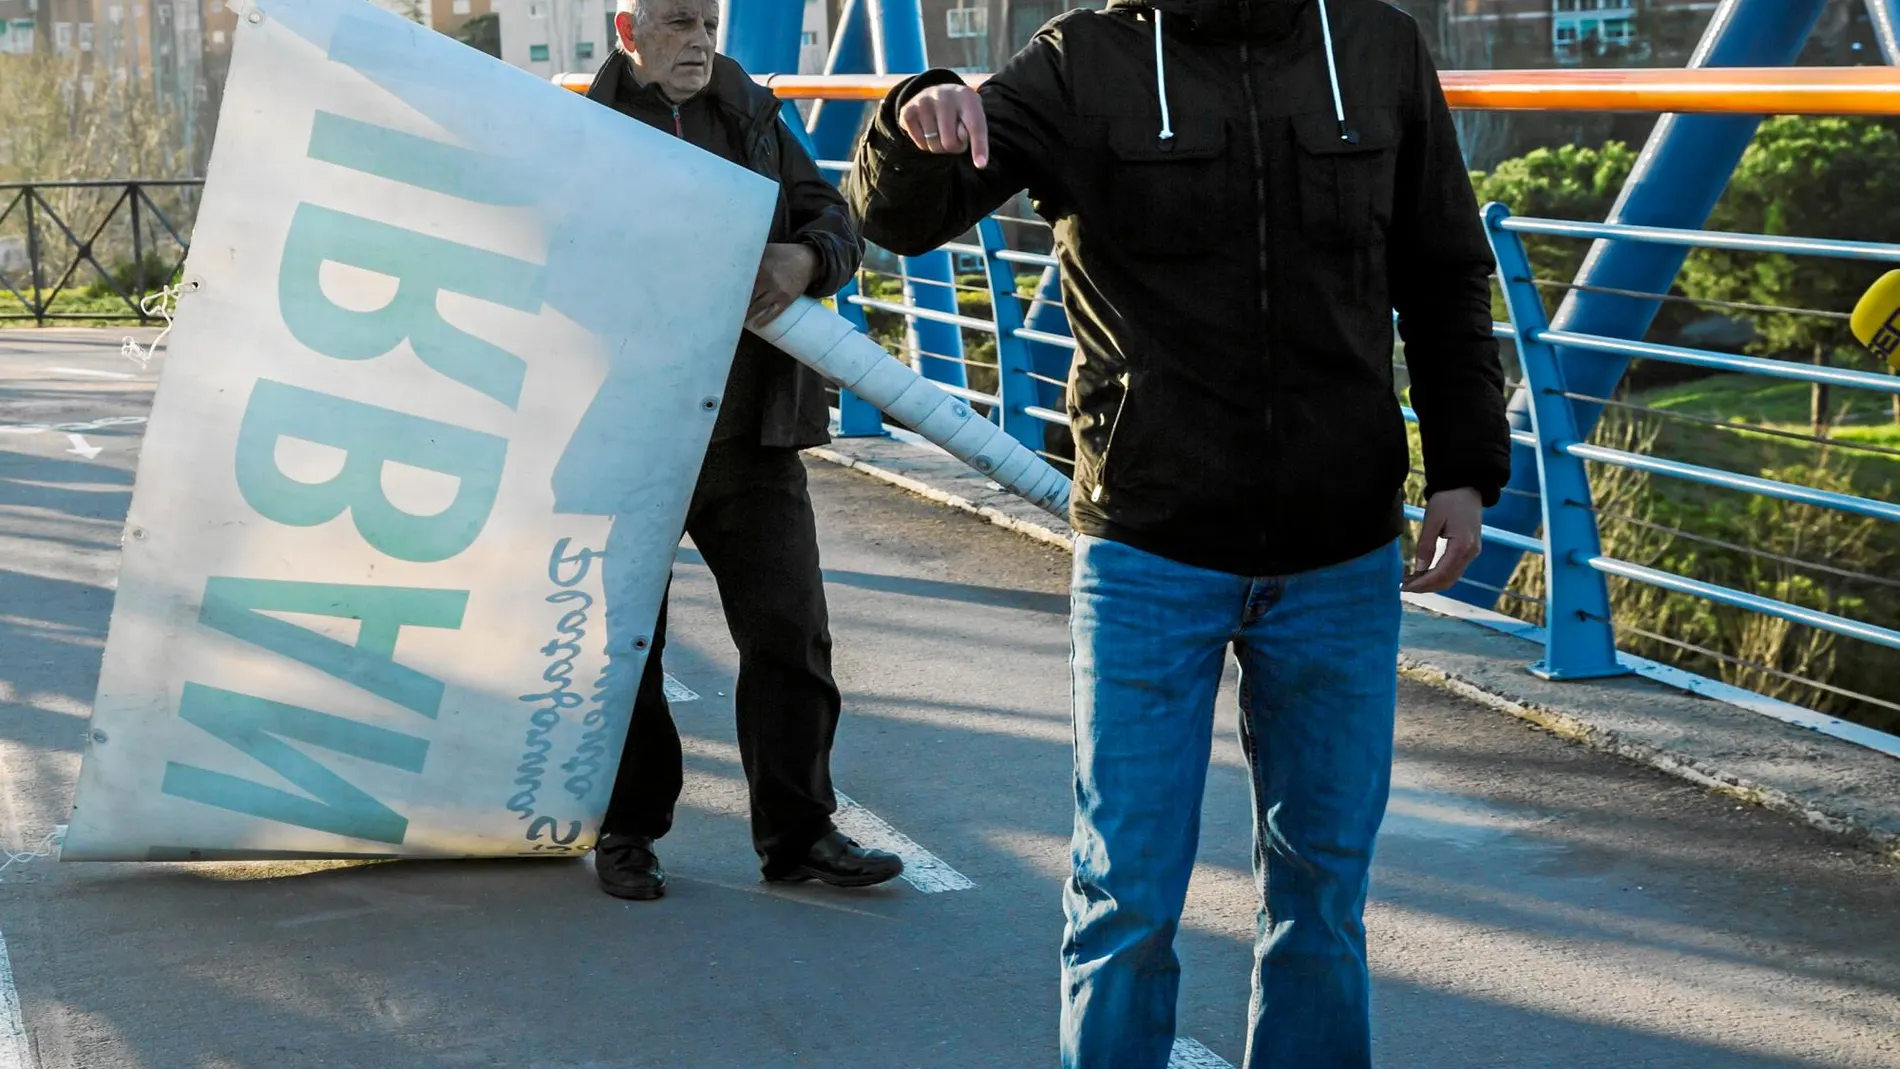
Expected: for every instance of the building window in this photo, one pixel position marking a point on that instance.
(217, 38)
(537, 10)
(962, 22)
(62, 37)
(85, 37)
(116, 13)
(584, 50)
(164, 13)
(537, 53)
(460, 7)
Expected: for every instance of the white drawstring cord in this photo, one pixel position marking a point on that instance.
(1332, 72)
(1161, 82)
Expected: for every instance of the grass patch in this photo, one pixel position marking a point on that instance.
(1859, 415)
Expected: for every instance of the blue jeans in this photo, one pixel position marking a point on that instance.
(1318, 654)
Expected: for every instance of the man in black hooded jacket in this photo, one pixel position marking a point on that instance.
(1242, 191)
(751, 514)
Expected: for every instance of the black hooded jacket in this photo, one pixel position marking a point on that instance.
(785, 398)
(1231, 260)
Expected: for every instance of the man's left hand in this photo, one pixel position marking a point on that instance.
(1457, 516)
(784, 275)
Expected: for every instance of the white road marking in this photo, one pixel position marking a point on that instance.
(922, 869)
(677, 692)
(81, 447)
(1191, 1055)
(15, 1051)
(86, 372)
(97, 424)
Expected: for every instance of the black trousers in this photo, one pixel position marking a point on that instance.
(751, 519)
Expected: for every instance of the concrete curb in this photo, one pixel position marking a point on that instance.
(1567, 725)
(1848, 791)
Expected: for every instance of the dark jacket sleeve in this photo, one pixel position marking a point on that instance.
(912, 201)
(819, 216)
(1440, 269)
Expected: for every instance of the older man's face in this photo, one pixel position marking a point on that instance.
(672, 44)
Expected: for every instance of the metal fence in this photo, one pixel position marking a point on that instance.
(1569, 583)
(91, 250)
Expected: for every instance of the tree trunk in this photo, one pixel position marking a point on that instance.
(1817, 396)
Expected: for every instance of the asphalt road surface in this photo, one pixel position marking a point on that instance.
(1534, 905)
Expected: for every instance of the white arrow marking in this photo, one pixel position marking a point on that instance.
(80, 446)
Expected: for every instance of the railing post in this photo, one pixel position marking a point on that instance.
(857, 418)
(33, 257)
(1014, 387)
(138, 250)
(1579, 641)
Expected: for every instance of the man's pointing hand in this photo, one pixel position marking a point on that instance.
(947, 120)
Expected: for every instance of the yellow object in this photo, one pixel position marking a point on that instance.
(1877, 319)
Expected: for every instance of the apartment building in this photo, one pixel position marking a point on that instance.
(450, 16)
(981, 35)
(19, 26)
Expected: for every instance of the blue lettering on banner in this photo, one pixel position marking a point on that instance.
(237, 607)
(371, 437)
(258, 728)
(425, 267)
(566, 571)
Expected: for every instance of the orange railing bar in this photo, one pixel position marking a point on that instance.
(1707, 91)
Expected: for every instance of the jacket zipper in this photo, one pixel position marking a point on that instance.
(1259, 170)
(679, 130)
(1260, 224)
(1108, 447)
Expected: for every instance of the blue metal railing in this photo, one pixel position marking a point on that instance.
(1578, 626)
(1579, 629)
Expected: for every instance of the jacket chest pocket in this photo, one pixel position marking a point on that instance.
(1167, 197)
(1345, 186)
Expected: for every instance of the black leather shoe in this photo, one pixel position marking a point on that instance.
(628, 868)
(840, 862)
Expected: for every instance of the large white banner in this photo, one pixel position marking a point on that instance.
(419, 458)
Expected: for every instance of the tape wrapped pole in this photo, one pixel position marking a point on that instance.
(825, 342)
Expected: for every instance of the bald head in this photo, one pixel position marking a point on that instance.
(669, 42)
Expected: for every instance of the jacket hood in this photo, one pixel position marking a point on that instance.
(1218, 20)
(1223, 19)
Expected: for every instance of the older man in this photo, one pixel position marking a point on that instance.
(1242, 192)
(751, 515)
